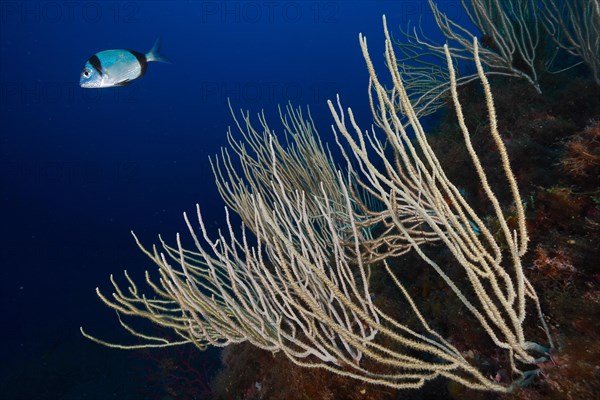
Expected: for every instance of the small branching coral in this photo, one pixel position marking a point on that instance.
(582, 153)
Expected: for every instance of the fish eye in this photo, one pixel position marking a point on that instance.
(87, 72)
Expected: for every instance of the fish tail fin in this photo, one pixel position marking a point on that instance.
(154, 53)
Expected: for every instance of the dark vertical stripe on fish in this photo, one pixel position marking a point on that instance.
(95, 61)
(142, 60)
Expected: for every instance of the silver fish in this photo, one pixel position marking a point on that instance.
(110, 68)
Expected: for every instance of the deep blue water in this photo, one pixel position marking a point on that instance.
(80, 168)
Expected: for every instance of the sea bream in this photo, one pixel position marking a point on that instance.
(110, 68)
